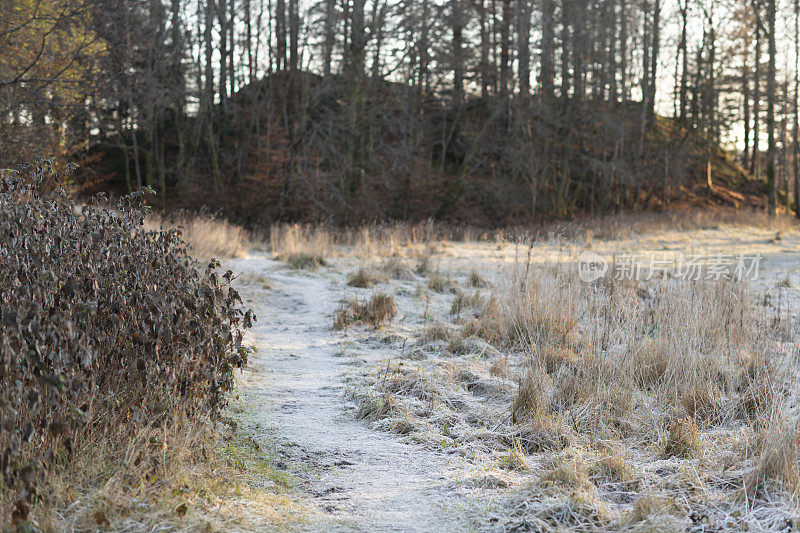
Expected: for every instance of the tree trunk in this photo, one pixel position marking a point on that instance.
(280, 35)
(755, 160)
(771, 146)
(623, 50)
(796, 125)
(547, 73)
(746, 109)
(223, 49)
(294, 35)
(209, 53)
(523, 45)
(483, 68)
(613, 90)
(683, 52)
(655, 48)
(565, 49)
(505, 47)
(330, 37)
(457, 23)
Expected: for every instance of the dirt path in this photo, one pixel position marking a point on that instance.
(361, 479)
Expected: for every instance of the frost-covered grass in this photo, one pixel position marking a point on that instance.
(622, 405)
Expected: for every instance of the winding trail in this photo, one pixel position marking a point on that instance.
(361, 479)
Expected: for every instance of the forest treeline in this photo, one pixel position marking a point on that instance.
(489, 111)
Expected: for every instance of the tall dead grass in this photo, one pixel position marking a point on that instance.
(302, 246)
(695, 381)
(208, 236)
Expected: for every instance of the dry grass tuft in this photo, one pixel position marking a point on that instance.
(363, 278)
(438, 331)
(568, 471)
(464, 300)
(613, 468)
(440, 283)
(378, 310)
(777, 453)
(515, 460)
(659, 511)
(396, 268)
(476, 281)
(533, 397)
(301, 246)
(683, 439)
(304, 261)
(424, 263)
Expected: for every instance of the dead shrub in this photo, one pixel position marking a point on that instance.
(552, 357)
(651, 362)
(108, 332)
(702, 403)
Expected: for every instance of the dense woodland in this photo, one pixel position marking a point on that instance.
(486, 111)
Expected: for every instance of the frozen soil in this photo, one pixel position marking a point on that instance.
(407, 427)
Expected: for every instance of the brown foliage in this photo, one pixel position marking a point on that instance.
(105, 329)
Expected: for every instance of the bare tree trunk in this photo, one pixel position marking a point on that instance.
(505, 47)
(209, 52)
(222, 15)
(523, 45)
(771, 145)
(623, 49)
(484, 36)
(655, 48)
(248, 43)
(377, 30)
(646, 36)
(294, 35)
(796, 125)
(231, 68)
(579, 48)
(177, 58)
(547, 73)
(746, 99)
(280, 35)
(612, 63)
(755, 160)
(565, 49)
(330, 37)
(683, 53)
(457, 23)
(423, 45)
